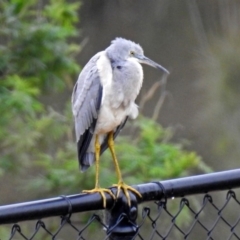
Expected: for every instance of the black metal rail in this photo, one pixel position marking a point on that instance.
(63, 205)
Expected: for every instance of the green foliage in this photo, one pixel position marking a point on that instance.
(148, 156)
(151, 155)
(34, 42)
(36, 59)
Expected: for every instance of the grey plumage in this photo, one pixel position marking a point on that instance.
(85, 108)
(104, 95)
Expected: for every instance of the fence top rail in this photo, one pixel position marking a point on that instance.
(153, 191)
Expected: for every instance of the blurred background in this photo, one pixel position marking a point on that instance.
(44, 44)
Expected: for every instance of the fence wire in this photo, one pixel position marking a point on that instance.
(208, 216)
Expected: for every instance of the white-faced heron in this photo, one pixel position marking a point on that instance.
(102, 101)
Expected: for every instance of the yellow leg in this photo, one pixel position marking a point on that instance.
(120, 185)
(97, 188)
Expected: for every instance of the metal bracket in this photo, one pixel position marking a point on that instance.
(121, 219)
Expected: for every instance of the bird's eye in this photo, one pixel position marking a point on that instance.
(132, 53)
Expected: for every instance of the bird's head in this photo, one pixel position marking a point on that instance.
(123, 50)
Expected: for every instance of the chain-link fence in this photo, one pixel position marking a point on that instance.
(161, 213)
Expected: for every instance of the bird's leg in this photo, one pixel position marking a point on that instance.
(97, 157)
(120, 185)
(97, 188)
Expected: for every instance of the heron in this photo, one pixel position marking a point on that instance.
(103, 100)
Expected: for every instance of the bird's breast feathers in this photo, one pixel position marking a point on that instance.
(119, 93)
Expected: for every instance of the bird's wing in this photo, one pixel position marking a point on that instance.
(86, 102)
(104, 145)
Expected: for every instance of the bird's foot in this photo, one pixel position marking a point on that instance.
(102, 192)
(126, 188)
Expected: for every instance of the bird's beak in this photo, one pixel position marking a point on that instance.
(148, 61)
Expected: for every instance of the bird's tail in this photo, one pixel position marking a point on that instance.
(87, 160)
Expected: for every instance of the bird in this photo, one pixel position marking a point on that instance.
(103, 99)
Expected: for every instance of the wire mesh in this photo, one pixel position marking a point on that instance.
(208, 216)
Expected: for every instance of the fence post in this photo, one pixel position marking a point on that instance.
(121, 219)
